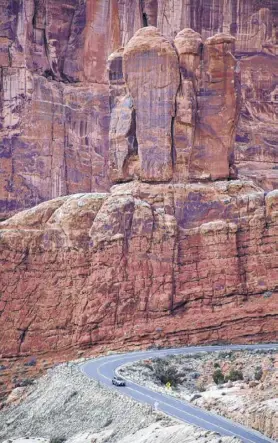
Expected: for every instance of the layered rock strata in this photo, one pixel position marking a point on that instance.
(172, 263)
(174, 255)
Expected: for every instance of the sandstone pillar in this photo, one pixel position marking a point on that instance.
(152, 76)
(188, 45)
(217, 111)
(122, 137)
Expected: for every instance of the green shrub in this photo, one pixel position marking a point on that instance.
(258, 373)
(201, 386)
(234, 375)
(216, 365)
(218, 377)
(166, 373)
(57, 439)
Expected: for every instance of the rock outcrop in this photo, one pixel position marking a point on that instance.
(174, 255)
(55, 96)
(179, 250)
(166, 107)
(152, 76)
(257, 136)
(172, 263)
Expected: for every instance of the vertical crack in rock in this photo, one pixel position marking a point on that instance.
(145, 19)
(22, 337)
(149, 10)
(174, 305)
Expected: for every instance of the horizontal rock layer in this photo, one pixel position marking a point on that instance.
(55, 95)
(172, 263)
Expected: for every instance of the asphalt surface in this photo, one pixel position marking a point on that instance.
(103, 369)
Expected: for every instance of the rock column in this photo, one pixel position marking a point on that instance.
(122, 137)
(152, 76)
(188, 44)
(217, 111)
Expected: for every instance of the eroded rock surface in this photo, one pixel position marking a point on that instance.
(55, 96)
(152, 77)
(181, 253)
(166, 108)
(138, 265)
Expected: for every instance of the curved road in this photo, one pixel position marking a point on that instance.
(103, 369)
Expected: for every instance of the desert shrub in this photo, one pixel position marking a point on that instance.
(218, 377)
(216, 365)
(23, 383)
(201, 386)
(57, 439)
(258, 373)
(31, 362)
(195, 375)
(147, 364)
(166, 373)
(234, 375)
(225, 354)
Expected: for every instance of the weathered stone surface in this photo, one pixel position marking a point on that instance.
(68, 42)
(172, 263)
(209, 93)
(217, 111)
(166, 110)
(123, 146)
(257, 136)
(251, 22)
(53, 140)
(54, 129)
(188, 44)
(151, 73)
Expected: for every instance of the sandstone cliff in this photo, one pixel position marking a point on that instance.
(55, 110)
(173, 263)
(181, 249)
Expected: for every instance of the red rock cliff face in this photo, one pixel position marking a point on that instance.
(176, 264)
(55, 109)
(172, 255)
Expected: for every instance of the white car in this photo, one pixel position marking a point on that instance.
(118, 381)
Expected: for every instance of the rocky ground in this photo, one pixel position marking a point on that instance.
(240, 385)
(64, 405)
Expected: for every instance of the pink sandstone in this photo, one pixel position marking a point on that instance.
(55, 95)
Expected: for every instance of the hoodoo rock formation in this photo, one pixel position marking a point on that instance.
(178, 251)
(55, 95)
(166, 105)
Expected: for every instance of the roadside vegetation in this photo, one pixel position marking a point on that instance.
(241, 385)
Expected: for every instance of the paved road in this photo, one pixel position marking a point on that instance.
(103, 369)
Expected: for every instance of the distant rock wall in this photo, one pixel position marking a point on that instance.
(55, 111)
